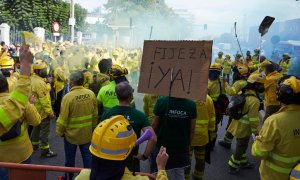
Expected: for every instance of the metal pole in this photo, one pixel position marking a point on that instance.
(72, 11)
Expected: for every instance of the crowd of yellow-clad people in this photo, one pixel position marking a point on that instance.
(88, 92)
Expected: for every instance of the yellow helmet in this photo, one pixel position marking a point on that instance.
(115, 53)
(216, 67)
(256, 77)
(243, 70)
(117, 71)
(39, 64)
(294, 83)
(265, 63)
(113, 139)
(295, 173)
(286, 54)
(7, 62)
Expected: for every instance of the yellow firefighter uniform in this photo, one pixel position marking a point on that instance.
(149, 102)
(271, 88)
(219, 61)
(12, 81)
(205, 123)
(236, 87)
(78, 116)
(213, 89)
(59, 79)
(278, 143)
(19, 149)
(285, 66)
(249, 123)
(41, 91)
(12, 109)
(88, 79)
(227, 66)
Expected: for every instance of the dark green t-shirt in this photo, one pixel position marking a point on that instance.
(174, 127)
(138, 120)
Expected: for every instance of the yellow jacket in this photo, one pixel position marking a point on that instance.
(149, 102)
(12, 80)
(249, 123)
(59, 79)
(236, 87)
(19, 149)
(271, 88)
(88, 79)
(41, 92)
(227, 66)
(219, 60)
(238, 62)
(103, 79)
(205, 123)
(213, 89)
(78, 116)
(285, 65)
(12, 109)
(161, 175)
(278, 143)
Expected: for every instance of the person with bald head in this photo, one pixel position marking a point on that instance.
(138, 120)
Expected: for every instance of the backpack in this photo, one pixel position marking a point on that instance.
(221, 103)
(236, 106)
(14, 132)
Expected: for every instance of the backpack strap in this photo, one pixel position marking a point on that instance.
(220, 86)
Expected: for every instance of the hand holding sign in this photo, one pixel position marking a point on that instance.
(176, 68)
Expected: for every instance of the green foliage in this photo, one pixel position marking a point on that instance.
(25, 15)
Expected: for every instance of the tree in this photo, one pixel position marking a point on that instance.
(24, 15)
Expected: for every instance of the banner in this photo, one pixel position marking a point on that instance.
(176, 68)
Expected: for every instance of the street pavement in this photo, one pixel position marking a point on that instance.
(217, 170)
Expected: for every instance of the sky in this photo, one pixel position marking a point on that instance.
(220, 15)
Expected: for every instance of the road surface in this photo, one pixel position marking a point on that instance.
(217, 170)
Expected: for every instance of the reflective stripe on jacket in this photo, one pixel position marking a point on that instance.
(78, 116)
(205, 122)
(278, 143)
(42, 94)
(13, 108)
(249, 123)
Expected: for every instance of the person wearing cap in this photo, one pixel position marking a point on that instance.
(77, 120)
(215, 88)
(137, 119)
(272, 105)
(278, 142)
(236, 89)
(227, 65)
(242, 128)
(285, 63)
(113, 141)
(7, 70)
(220, 59)
(107, 95)
(41, 90)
